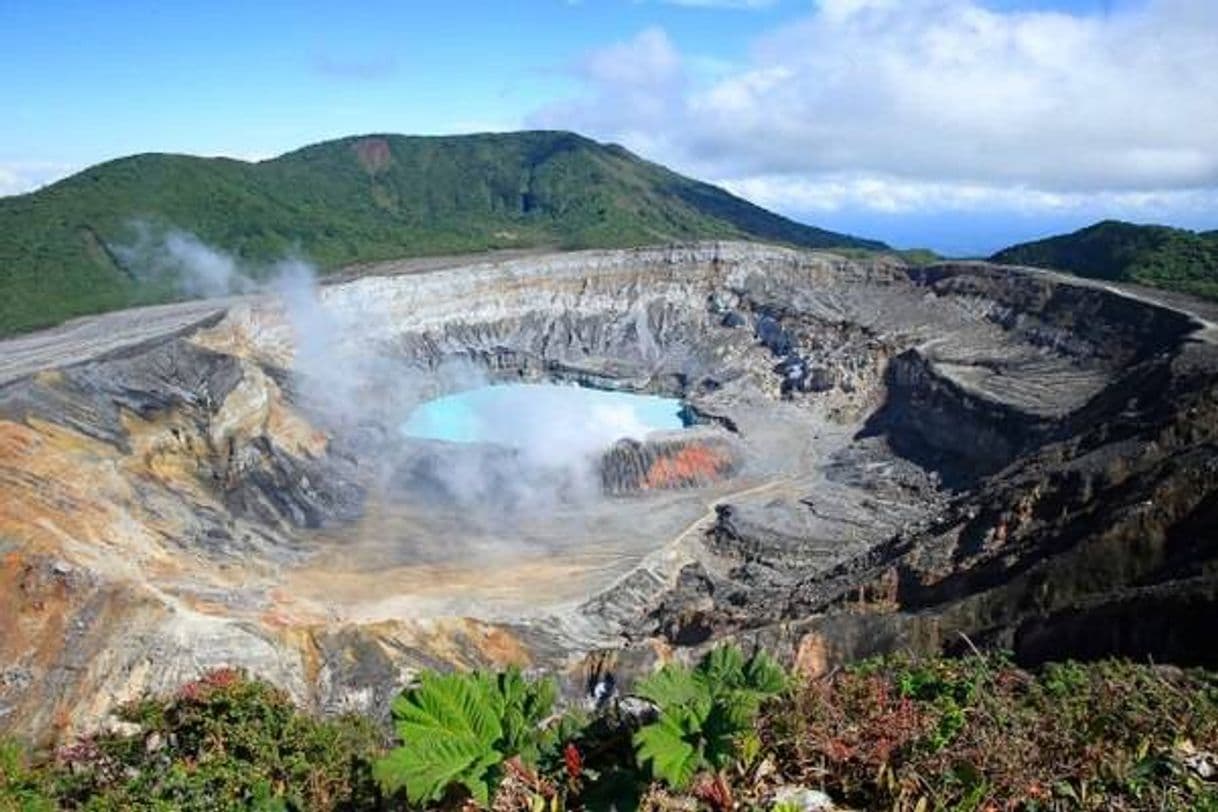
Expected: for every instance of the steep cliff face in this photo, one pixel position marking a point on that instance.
(1100, 544)
(883, 456)
(1080, 521)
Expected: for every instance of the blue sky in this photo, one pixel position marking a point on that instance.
(84, 81)
(958, 124)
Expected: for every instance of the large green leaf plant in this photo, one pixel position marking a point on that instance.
(458, 730)
(703, 711)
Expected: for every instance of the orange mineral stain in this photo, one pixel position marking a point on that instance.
(693, 463)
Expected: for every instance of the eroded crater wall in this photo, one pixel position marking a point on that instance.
(878, 442)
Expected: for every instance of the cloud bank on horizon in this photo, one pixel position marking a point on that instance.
(898, 106)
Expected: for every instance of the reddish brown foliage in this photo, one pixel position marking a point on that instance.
(983, 734)
(205, 686)
(856, 720)
(573, 761)
(713, 790)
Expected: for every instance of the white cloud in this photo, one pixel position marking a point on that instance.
(894, 105)
(890, 195)
(648, 60)
(26, 176)
(633, 85)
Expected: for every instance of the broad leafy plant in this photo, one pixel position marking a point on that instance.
(703, 711)
(460, 729)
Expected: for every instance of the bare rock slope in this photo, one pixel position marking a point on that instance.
(884, 456)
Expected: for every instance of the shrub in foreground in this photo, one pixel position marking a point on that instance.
(223, 742)
(980, 734)
(976, 735)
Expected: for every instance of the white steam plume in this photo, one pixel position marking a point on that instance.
(363, 392)
(183, 260)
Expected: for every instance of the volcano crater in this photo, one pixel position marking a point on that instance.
(876, 456)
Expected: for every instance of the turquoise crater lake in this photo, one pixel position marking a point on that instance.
(529, 415)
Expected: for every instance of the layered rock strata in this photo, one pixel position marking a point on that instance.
(885, 456)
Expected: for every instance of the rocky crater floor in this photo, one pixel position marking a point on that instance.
(881, 457)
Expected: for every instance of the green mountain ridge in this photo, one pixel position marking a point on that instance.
(356, 199)
(1159, 256)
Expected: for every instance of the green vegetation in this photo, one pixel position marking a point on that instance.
(459, 730)
(1170, 258)
(356, 199)
(971, 734)
(980, 734)
(703, 712)
(224, 742)
(21, 787)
